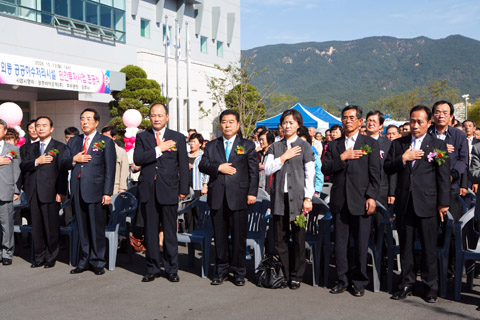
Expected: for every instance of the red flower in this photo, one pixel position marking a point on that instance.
(439, 155)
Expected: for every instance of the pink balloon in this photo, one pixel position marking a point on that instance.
(129, 145)
(21, 140)
(132, 118)
(126, 139)
(132, 139)
(11, 113)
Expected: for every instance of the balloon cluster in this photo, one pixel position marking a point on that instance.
(131, 119)
(12, 114)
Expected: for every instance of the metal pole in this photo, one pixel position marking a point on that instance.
(177, 59)
(187, 46)
(166, 57)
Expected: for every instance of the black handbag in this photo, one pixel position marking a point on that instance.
(269, 273)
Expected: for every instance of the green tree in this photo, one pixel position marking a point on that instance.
(474, 112)
(139, 93)
(234, 90)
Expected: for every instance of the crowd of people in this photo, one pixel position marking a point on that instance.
(420, 170)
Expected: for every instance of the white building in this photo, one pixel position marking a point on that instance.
(93, 36)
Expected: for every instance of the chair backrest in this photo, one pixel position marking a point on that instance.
(320, 213)
(204, 220)
(262, 195)
(460, 233)
(257, 221)
(121, 205)
(133, 190)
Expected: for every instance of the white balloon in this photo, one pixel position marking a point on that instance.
(22, 133)
(18, 129)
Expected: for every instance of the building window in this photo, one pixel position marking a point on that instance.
(219, 49)
(203, 44)
(145, 28)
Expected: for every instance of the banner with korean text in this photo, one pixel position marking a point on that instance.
(31, 72)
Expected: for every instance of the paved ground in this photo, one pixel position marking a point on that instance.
(27, 293)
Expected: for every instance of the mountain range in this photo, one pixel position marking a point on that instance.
(361, 71)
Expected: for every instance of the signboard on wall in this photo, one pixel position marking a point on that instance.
(31, 72)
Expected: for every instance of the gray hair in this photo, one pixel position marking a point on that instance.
(4, 124)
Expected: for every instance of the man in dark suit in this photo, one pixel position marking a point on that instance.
(423, 194)
(163, 181)
(46, 187)
(469, 127)
(232, 164)
(91, 157)
(353, 164)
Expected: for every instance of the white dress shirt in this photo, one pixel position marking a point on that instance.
(158, 152)
(350, 142)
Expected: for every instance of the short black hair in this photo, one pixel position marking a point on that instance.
(194, 130)
(458, 125)
(229, 112)
(336, 127)
(328, 130)
(197, 136)
(419, 108)
(269, 135)
(450, 105)
(71, 130)
(112, 129)
(469, 120)
(381, 116)
(297, 116)
(44, 117)
(393, 126)
(260, 129)
(96, 115)
(303, 132)
(30, 122)
(353, 107)
(156, 104)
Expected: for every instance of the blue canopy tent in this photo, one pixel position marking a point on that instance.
(312, 117)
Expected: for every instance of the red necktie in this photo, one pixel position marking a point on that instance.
(84, 150)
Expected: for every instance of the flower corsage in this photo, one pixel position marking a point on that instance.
(53, 152)
(11, 155)
(437, 155)
(173, 148)
(366, 149)
(240, 150)
(99, 145)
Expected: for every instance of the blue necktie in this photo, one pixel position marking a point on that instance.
(42, 148)
(228, 149)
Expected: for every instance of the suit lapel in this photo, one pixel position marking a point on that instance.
(36, 149)
(5, 148)
(96, 137)
(341, 145)
(233, 152)
(49, 146)
(221, 149)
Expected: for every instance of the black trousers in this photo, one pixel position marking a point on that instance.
(153, 213)
(91, 231)
(191, 217)
(292, 254)
(427, 229)
(359, 227)
(235, 223)
(45, 229)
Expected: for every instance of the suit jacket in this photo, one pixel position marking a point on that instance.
(234, 188)
(122, 169)
(386, 180)
(45, 179)
(354, 181)
(429, 183)
(97, 175)
(458, 158)
(170, 169)
(9, 174)
(474, 172)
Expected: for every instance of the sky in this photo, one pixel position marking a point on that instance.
(265, 22)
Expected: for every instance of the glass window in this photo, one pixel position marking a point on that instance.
(145, 28)
(120, 4)
(28, 14)
(76, 10)
(61, 7)
(46, 5)
(219, 48)
(119, 20)
(11, 1)
(91, 11)
(106, 16)
(8, 9)
(27, 3)
(46, 18)
(106, 2)
(203, 44)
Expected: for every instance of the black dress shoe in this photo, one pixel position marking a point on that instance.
(173, 277)
(240, 282)
(98, 271)
(6, 262)
(218, 281)
(37, 264)
(338, 288)
(294, 285)
(150, 277)
(77, 270)
(358, 292)
(402, 294)
(431, 298)
(49, 265)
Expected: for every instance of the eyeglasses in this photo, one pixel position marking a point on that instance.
(439, 113)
